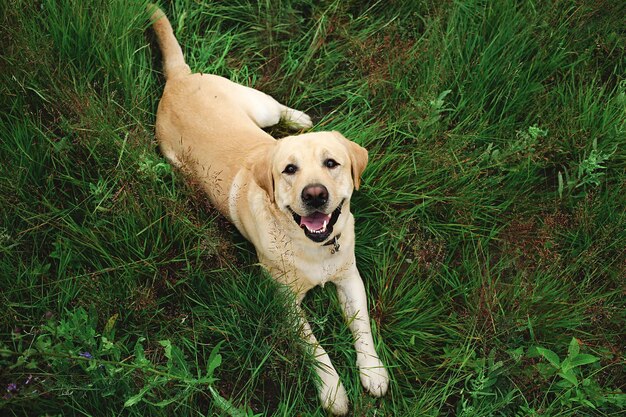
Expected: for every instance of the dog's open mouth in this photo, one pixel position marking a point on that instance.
(318, 226)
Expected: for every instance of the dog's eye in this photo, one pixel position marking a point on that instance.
(290, 169)
(331, 163)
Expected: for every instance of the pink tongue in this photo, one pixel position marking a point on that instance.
(316, 221)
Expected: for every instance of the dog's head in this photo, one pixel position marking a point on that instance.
(310, 178)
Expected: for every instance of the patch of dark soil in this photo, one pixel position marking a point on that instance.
(532, 241)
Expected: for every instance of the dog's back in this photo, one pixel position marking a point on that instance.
(204, 123)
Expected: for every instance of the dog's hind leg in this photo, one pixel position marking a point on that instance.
(295, 119)
(265, 111)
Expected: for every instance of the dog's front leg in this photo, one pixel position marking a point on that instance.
(331, 391)
(353, 300)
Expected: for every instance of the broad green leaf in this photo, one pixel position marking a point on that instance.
(583, 359)
(581, 400)
(215, 359)
(569, 376)
(140, 357)
(226, 405)
(566, 365)
(176, 359)
(550, 356)
(165, 403)
(574, 348)
(133, 400)
(137, 397)
(564, 385)
(167, 345)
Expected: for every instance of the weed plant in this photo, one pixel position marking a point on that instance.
(491, 227)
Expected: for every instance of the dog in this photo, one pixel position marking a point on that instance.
(289, 197)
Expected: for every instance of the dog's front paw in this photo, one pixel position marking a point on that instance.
(334, 398)
(296, 119)
(374, 377)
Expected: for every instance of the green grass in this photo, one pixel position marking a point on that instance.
(491, 222)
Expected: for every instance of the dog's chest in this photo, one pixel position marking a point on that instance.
(304, 267)
(325, 269)
(319, 266)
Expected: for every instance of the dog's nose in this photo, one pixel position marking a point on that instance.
(315, 195)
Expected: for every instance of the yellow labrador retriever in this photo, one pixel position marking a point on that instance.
(289, 197)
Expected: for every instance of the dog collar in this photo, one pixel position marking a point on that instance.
(335, 242)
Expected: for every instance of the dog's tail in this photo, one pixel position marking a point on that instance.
(173, 61)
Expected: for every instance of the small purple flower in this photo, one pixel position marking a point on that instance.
(12, 387)
(86, 355)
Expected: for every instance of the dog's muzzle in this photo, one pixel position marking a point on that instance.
(318, 226)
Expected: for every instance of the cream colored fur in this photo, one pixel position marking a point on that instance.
(210, 127)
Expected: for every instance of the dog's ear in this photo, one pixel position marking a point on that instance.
(358, 158)
(259, 163)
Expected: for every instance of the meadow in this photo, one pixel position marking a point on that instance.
(491, 220)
